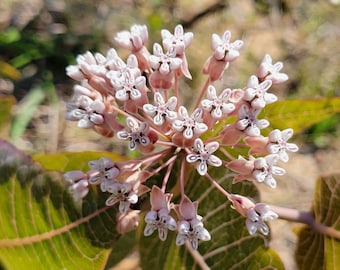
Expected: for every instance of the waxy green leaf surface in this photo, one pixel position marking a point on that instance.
(231, 246)
(40, 227)
(315, 250)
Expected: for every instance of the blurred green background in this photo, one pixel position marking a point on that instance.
(39, 38)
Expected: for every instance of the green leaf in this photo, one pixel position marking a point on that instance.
(300, 114)
(68, 161)
(316, 250)
(41, 228)
(26, 110)
(6, 105)
(230, 247)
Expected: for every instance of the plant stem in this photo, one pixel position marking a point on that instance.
(307, 218)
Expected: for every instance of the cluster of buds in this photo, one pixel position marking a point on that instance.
(144, 91)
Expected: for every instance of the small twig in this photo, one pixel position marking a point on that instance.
(197, 257)
(307, 218)
(218, 6)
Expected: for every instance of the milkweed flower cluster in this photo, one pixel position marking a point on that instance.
(137, 100)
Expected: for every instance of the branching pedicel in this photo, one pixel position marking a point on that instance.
(144, 90)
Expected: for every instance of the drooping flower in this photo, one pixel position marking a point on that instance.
(122, 193)
(270, 71)
(202, 154)
(77, 184)
(190, 227)
(264, 169)
(102, 170)
(86, 111)
(257, 216)
(159, 218)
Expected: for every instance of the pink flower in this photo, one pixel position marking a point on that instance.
(248, 122)
(133, 40)
(264, 169)
(190, 226)
(255, 214)
(102, 170)
(202, 154)
(136, 133)
(217, 106)
(127, 221)
(269, 71)
(78, 184)
(190, 126)
(158, 218)
(242, 166)
(162, 111)
(224, 52)
(164, 65)
(180, 41)
(86, 111)
(256, 93)
(277, 143)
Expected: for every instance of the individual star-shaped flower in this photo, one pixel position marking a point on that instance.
(158, 218)
(129, 88)
(164, 62)
(248, 121)
(134, 39)
(190, 227)
(270, 71)
(137, 133)
(102, 170)
(179, 39)
(224, 49)
(217, 106)
(256, 93)
(123, 193)
(264, 169)
(162, 111)
(256, 217)
(203, 155)
(78, 184)
(255, 214)
(277, 143)
(86, 111)
(189, 125)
